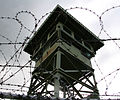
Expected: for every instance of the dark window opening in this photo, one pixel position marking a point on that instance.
(78, 37)
(87, 45)
(67, 30)
(52, 31)
(44, 40)
(66, 38)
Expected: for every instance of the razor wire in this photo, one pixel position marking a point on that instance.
(18, 51)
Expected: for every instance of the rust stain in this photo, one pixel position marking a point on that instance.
(46, 54)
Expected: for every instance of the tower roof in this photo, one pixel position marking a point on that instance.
(61, 15)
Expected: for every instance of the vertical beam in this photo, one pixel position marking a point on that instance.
(58, 65)
(64, 92)
(56, 85)
(96, 89)
(57, 75)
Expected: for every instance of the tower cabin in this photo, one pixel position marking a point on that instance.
(62, 46)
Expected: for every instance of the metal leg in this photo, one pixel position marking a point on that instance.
(57, 76)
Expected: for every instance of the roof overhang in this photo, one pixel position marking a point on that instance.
(61, 15)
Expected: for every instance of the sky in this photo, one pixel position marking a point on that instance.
(107, 58)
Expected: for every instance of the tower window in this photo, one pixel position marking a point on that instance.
(44, 40)
(78, 38)
(87, 45)
(67, 30)
(51, 32)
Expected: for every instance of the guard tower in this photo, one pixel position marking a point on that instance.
(62, 48)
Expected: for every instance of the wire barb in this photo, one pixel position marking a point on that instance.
(11, 63)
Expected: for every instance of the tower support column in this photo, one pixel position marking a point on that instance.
(57, 75)
(56, 85)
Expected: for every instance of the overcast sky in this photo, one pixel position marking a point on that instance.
(108, 57)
